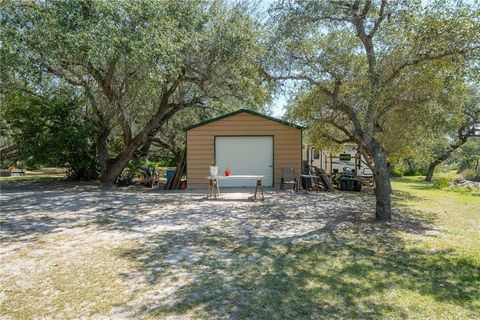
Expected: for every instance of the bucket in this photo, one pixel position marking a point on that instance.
(170, 174)
(213, 170)
(183, 185)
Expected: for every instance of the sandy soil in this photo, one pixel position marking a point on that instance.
(77, 251)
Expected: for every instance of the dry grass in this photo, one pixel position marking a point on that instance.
(63, 274)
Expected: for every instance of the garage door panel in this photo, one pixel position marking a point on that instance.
(245, 155)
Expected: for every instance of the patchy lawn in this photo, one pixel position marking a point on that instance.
(74, 250)
(37, 175)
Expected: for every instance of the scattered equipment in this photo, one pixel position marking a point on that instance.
(347, 181)
(316, 179)
(176, 179)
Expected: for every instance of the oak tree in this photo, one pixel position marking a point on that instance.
(362, 61)
(138, 63)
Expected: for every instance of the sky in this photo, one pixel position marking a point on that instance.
(278, 104)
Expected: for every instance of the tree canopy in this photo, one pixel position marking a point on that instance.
(137, 63)
(50, 130)
(369, 67)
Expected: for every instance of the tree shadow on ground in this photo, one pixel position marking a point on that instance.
(33, 208)
(293, 256)
(342, 270)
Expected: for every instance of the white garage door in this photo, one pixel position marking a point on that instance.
(245, 155)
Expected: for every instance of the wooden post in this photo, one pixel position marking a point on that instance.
(331, 164)
(321, 159)
(217, 187)
(174, 182)
(356, 165)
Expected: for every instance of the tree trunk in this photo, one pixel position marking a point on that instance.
(112, 171)
(178, 155)
(10, 153)
(102, 151)
(115, 166)
(454, 146)
(383, 189)
(431, 169)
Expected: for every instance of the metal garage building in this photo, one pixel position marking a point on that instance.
(247, 143)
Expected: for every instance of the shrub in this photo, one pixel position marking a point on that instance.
(457, 178)
(7, 163)
(472, 175)
(397, 172)
(166, 163)
(418, 172)
(51, 131)
(82, 165)
(441, 182)
(133, 168)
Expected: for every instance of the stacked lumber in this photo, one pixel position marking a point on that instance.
(174, 182)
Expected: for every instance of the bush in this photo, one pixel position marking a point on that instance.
(166, 163)
(397, 172)
(133, 168)
(82, 165)
(7, 163)
(457, 178)
(51, 131)
(472, 175)
(441, 182)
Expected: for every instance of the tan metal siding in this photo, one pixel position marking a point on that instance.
(200, 145)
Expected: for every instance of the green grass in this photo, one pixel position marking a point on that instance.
(455, 212)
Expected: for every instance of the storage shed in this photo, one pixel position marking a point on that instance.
(246, 143)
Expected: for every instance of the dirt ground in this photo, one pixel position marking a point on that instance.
(77, 251)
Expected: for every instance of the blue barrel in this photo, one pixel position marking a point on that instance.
(170, 174)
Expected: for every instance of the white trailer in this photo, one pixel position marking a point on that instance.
(333, 163)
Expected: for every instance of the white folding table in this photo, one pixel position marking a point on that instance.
(214, 189)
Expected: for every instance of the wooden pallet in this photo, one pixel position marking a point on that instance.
(366, 181)
(174, 182)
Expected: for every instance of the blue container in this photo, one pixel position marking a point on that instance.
(170, 174)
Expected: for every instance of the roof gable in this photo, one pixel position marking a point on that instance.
(246, 111)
